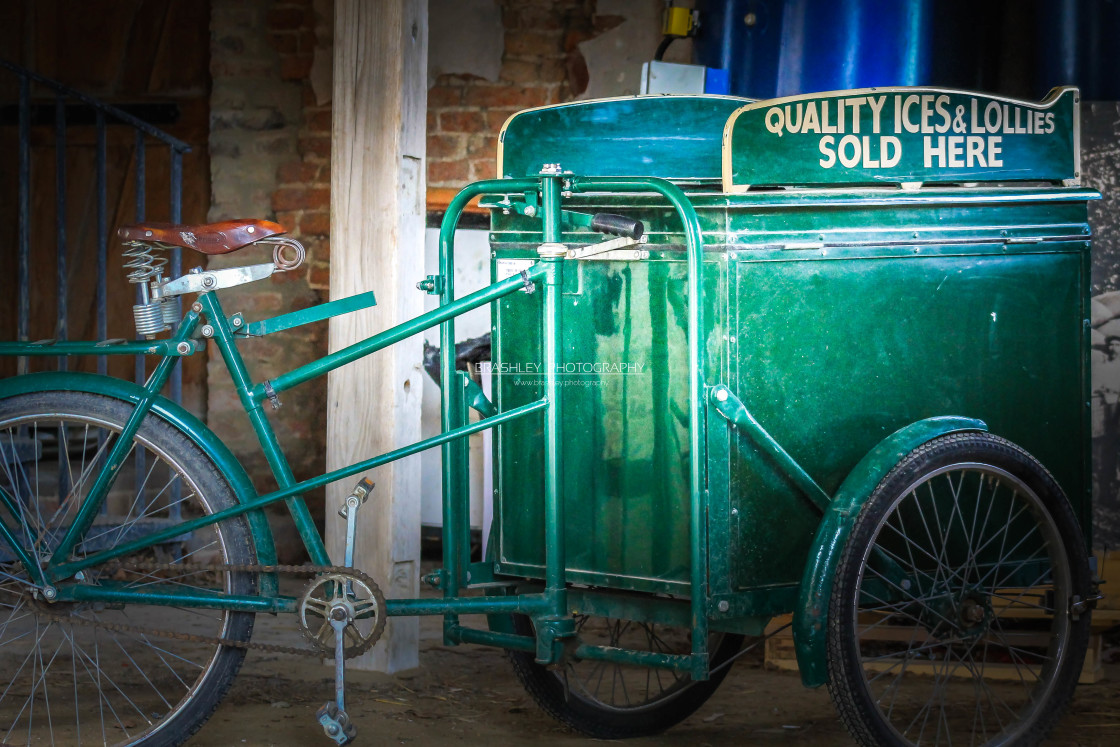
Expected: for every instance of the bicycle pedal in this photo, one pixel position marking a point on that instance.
(336, 724)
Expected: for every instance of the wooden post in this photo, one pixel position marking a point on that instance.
(377, 243)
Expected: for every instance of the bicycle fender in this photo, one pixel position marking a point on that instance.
(180, 418)
(810, 619)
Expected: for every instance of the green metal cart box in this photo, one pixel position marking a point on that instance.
(879, 268)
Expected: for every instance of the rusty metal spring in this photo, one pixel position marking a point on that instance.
(142, 261)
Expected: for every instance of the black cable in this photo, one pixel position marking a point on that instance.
(664, 45)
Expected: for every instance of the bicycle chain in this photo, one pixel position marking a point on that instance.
(301, 570)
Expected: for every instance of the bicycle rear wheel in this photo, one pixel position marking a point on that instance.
(88, 672)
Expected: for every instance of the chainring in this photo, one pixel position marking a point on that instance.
(359, 595)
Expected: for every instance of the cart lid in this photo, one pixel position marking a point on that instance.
(905, 136)
(668, 136)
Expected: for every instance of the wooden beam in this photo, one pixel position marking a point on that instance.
(377, 243)
(439, 198)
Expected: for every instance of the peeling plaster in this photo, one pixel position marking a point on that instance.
(465, 37)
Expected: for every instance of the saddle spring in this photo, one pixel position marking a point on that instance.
(144, 263)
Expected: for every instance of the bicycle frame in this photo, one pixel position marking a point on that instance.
(549, 608)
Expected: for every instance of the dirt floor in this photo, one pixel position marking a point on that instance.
(469, 695)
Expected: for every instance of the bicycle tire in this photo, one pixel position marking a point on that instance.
(155, 692)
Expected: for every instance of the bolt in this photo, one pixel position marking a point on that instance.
(721, 394)
(724, 605)
(734, 512)
(207, 330)
(551, 169)
(183, 348)
(79, 576)
(530, 210)
(750, 19)
(208, 281)
(195, 270)
(50, 593)
(338, 613)
(332, 730)
(196, 308)
(905, 584)
(237, 321)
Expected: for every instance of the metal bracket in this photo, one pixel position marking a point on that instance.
(273, 397)
(212, 280)
(613, 249)
(432, 285)
(530, 286)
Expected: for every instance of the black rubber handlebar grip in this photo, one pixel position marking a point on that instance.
(617, 225)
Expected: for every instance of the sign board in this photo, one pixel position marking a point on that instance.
(902, 136)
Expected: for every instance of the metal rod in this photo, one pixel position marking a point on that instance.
(176, 263)
(736, 412)
(110, 347)
(519, 604)
(552, 358)
(101, 106)
(122, 444)
(162, 535)
(9, 537)
(182, 596)
(384, 339)
(60, 220)
(102, 240)
(266, 435)
(24, 229)
(698, 509)
(451, 465)
(493, 638)
(140, 371)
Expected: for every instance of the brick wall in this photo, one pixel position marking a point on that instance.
(270, 158)
(541, 65)
(270, 146)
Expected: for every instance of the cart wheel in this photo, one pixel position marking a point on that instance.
(604, 700)
(952, 618)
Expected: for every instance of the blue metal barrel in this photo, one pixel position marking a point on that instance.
(783, 47)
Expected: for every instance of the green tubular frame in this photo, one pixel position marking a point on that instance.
(549, 606)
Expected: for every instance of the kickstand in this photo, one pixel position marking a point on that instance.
(332, 716)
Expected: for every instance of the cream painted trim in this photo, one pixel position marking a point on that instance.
(1051, 99)
(505, 125)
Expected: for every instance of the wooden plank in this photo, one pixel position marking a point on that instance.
(440, 197)
(377, 239)
(780, 653)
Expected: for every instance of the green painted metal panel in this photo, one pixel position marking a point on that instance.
(625, 383)
(672, 137)
(837, 352)
(898, 135)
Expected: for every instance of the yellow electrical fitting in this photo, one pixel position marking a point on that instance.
(677, 22)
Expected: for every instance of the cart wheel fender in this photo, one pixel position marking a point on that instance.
(810, 619)
(191, 427)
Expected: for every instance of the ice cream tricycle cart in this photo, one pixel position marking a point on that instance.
(823, 355)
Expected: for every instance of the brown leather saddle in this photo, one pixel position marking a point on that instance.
(208, 238)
